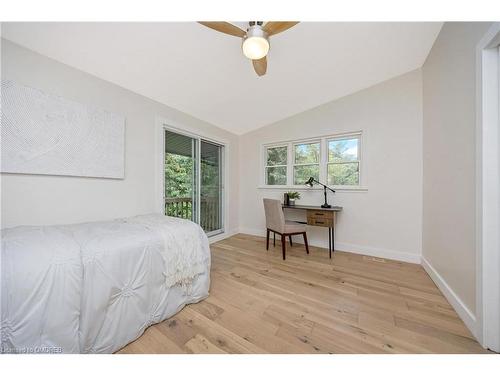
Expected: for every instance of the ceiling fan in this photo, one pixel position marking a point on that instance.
(255, 43)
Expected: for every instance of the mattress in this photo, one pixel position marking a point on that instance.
(94, 287)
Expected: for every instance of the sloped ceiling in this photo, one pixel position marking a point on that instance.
(204, 73)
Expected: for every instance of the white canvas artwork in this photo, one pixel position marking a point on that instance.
(47, 134)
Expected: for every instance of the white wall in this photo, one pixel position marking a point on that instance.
(36, 200)
(386, 219)
(449, 138)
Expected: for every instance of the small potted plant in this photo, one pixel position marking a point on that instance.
(292, 196)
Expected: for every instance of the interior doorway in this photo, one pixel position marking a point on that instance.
(488, 189)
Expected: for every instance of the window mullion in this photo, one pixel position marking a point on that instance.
(290, 164)
(323, 159)
(344, 162)
(305, 164)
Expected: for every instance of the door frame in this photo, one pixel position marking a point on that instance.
(162, 124)
(487, 189)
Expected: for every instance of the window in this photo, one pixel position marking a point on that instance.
(306, 162)
(334, 160)
(276, 165)
(343, 161)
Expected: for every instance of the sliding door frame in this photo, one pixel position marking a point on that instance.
(163, 124)
(221, 184)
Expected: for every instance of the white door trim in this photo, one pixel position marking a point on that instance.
(487, 189)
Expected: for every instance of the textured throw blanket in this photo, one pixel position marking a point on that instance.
(181, 249)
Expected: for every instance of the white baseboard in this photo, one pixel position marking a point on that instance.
(465, 314)
(379, 253)
(253, 232)
(352, 248)
(222, 236)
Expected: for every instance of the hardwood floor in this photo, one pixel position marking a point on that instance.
(259, 303)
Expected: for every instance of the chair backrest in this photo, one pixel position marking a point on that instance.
(275, 219)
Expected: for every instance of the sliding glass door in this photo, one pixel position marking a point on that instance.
(180, 176)
(211, 187)
(193, 171)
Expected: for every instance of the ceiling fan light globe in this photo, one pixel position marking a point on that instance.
(255, 47)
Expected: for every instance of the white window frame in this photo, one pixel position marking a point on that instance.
(359, 160)
(266, 166)
(323, 163)
(299, 143)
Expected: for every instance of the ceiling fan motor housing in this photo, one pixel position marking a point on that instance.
(256, 30)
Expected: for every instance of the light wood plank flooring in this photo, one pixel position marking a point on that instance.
(259, 303)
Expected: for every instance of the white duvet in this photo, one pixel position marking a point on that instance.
(94, 287)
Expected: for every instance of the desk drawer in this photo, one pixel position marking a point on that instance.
(320, 221)
(319, 214)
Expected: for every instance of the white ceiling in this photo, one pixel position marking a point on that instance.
(204, 73)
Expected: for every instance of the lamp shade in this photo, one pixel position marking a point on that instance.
(255, 44)
(255, 47)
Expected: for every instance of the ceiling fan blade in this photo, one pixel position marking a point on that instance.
(275, 27)
(260, 66)
(225, 27)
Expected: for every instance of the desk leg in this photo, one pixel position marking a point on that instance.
(330, 241)
(333, 239)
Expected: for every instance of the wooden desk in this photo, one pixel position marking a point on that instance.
(320, 217)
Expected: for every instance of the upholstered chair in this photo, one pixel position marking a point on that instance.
(276, 223)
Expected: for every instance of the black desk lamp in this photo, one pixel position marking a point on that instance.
(310, 183)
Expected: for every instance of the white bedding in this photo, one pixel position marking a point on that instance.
(94, 287)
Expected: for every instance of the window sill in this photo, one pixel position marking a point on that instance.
(315, 188)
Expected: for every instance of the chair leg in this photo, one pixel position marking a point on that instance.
(290, 237)
(274, 239)
(267, 240)
(305, 242)
(283, 245)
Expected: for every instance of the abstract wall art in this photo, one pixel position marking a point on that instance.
(46, 134)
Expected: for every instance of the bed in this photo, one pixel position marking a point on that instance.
(95, 287)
